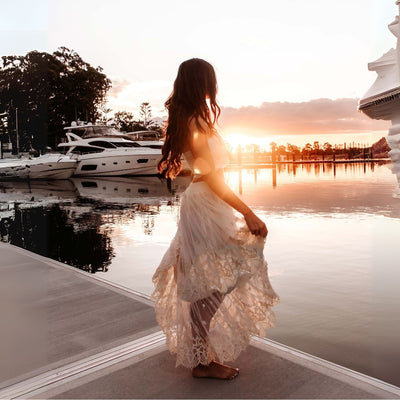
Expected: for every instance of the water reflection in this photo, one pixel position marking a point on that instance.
(50, 232)
(324, 189)
(73, 221)
(92, 208)
(36, 192)
(129, 190)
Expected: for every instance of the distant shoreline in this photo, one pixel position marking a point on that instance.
(271, 164)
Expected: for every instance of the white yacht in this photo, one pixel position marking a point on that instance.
(47, 166)
(103, 151)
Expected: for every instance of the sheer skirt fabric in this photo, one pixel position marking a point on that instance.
(212, 290)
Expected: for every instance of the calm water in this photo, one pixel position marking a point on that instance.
(333, 246)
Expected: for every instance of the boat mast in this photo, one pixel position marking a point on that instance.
(16, 128)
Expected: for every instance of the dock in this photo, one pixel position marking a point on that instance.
(68, 334)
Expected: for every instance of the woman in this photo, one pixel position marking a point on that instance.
(212, 290)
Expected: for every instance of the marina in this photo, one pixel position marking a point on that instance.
(100, 150)
(90, 150)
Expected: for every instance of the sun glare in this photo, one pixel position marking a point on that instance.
(234, 140)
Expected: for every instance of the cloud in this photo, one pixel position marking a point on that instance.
(319, 116)
(118, 85)
(128, 95)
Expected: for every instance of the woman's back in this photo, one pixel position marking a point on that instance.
(218, 152)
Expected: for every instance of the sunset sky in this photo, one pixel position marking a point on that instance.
(286, 68)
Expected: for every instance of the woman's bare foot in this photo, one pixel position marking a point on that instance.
(215, 370)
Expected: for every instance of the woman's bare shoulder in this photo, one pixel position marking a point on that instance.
(199, 125)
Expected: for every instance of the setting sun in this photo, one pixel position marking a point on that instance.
(234, 140)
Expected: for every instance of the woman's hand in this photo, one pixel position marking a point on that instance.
(256, 226)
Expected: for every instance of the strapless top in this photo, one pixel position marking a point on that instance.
(218, 152)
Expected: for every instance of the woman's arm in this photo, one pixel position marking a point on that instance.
(204, 165)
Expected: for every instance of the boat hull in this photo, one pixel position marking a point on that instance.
(61, 170)
(49, 166)
(14, 171)
(117, 165)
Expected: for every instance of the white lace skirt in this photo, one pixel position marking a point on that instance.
(212, 290)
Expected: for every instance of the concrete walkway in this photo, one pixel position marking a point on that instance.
(68, 334)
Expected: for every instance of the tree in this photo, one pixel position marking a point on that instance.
(156, 127)
(307, 147)
(145, 114)
(144, 122)
(86, 87)
(327, 148)
(50, 91)
(282, 150)
(124, 121)
(291, 148)
(103, 115)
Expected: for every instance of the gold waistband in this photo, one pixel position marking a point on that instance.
(200, 178)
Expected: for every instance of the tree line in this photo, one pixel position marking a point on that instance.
(315, 151)
(41, 93)
(307, 150)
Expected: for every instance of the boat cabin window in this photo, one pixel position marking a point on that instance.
(86, 150)
(126, 144)
(105, 130)
(102, 143)
(145, 135)
(93, 130)
(82, 131)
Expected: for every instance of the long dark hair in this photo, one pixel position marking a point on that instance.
(195, 81)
